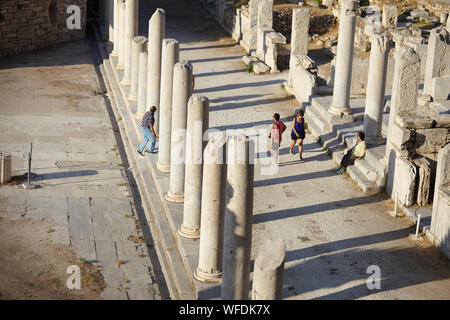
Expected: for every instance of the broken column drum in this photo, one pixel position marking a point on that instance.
(269, 270)
(139, 45)
(238, 219)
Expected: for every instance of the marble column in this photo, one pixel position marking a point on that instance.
(122, 35)
(269, 270)
(197, 125)
(131, 31)
(110, 26)
(116, 31)
(344, 59)
(142, 85)
(238, 219)
(156, 32)
(376, 85)
(212, 210)
(182, 90)
(170, 56)
(139, 45)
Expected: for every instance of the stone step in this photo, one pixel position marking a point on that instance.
(358, 177)
(313, 115)
(374, 157)
(369, 172)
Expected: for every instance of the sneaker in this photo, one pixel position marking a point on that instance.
(301, 158)
(140, 152)
(150, 151)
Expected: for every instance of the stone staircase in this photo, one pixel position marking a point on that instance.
(336, 136)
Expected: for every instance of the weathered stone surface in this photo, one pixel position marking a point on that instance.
(438, 63)
(400, 136)
(300, 27)
(390, 16)
(440, 220)
(344, 58)
(423, 188)
(269, 269)
(430, 140)
(441, 87)
(401, 179)
(376, 85)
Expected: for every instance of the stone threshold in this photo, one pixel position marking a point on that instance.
(181, 255)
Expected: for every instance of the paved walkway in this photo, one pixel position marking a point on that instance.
(333, 232)
(49, 98)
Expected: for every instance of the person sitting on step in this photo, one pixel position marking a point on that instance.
(354, 154)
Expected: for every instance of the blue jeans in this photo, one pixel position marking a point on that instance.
(148, 135)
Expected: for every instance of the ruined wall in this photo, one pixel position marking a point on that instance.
(27, 25)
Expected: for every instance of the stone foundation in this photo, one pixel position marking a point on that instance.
(31, 25)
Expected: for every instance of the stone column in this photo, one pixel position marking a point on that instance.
(253, 16)
(212, 210)
(122, 38)
(264, 24)
(111, 10)
(401, 174)
(170, 56)
(344, 59)
(139, 45)
(376, 85)
(438, 59)
(142, 85)
(268, 273)
(116, 35)
(182, 90)
(238, 220)
(156, 32)
(299, 34)
(390, 16)
(405, 88)
(197, 124)
(131, 31)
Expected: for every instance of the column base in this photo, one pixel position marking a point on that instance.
(132, 98)
(207, 277)
(114, 53)
(340, 112)
(163, 167)
(119, 66)
(174, 197)
(189, 233)
(125, 82)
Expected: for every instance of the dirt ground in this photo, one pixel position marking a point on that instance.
(32, 267)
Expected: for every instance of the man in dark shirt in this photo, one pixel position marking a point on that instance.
(148, 131)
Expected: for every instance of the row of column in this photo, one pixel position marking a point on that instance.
(214, 180)
(375, 94)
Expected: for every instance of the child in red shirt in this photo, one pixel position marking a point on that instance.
(275, 136)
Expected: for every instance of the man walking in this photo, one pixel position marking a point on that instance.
(148, 131)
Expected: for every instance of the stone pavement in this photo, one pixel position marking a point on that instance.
(50, 98)
(333, 232)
